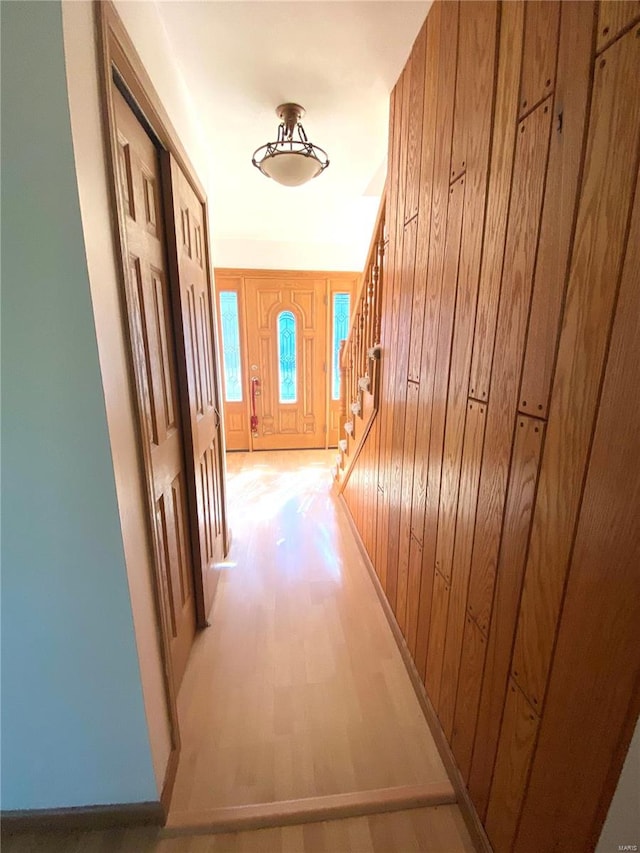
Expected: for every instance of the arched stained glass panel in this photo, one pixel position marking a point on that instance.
(287, 366)
(231, 346)
(341, 307)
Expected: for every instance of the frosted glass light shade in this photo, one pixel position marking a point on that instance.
(291, 160)
(291, 168)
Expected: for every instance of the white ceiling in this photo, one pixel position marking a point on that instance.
(239, 60)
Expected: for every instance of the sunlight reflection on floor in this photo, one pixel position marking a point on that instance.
(297, 689)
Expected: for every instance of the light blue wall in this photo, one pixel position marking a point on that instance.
(73, 722)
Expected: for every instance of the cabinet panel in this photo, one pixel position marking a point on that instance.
(613, 17)
(474, 85)
(465, 524)
(517, 740)
(436, 145)
(414, 140)
(477, 46)
(437, 634)
(401, 352)
(558, 215)
(504, 137)
(540, 49)
(414, 592)
(435, 416)
(524, 221)
(445, 224)
(601, 608)
(523, 478)
(405, 503)
(603, 217)
(468, 695)
(443, 485)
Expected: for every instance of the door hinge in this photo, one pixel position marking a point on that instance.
(325, 300)
(324, 428)
(324, 366)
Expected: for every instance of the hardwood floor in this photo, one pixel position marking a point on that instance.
(296, 692)
(297, 689)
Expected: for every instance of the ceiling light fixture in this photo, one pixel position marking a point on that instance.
(290, 161)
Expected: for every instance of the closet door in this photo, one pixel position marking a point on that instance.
(153, 339)
(200, 381)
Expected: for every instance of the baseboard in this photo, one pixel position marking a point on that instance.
(471, 819)
(82, 817)
(309, 809)
(169, 781)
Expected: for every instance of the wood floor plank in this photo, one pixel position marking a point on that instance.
(297, 689)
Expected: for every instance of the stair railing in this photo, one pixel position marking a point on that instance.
(360, 353)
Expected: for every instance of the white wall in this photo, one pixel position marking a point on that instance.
(146, 30)
(269, 254)
(73, 720)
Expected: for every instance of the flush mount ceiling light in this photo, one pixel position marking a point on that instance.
(290, 161)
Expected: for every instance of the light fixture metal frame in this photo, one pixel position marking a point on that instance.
(290, 115)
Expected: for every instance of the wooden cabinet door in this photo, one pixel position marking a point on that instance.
(150, 316)
(286, 343)
(201, 395)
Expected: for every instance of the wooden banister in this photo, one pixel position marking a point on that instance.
(377, 237)
(360, 353)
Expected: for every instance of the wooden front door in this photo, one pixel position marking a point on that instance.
(196, 337)
(151, 323)
(286, 346)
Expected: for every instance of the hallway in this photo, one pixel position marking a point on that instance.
(297, 690)
(412, 638)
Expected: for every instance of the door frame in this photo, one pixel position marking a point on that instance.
(341, 281)
(117, 52)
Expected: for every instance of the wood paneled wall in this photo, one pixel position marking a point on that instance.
(498, 493)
